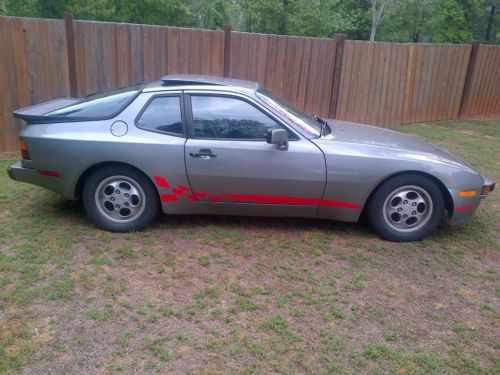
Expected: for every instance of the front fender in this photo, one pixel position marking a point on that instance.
(355, 171)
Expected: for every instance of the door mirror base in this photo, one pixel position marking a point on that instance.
(278, 137)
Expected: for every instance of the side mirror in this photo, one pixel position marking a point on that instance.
(278, 137)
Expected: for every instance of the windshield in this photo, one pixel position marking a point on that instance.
(104, 105)
(306, 123)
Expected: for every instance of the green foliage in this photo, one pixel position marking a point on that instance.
(212, 14)
(325, 18)
(408, 21)
(440, 21)
(449, 23)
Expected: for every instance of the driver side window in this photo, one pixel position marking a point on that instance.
(219, 117)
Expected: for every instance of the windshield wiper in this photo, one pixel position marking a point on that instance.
(324, 125)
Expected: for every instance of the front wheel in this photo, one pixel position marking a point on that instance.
(120, 199)
(406, 208)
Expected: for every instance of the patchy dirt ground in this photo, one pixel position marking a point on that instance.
(210, 295)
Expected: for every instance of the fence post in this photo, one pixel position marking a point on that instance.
(227, 49)
(468, 77)
(70, 48)
(337, 71)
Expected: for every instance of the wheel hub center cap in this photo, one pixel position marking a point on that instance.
(120, 198)
(407, 208)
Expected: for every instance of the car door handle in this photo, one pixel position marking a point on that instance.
(204, 153)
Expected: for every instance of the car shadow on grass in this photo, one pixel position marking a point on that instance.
(73, 212)
(256, 223)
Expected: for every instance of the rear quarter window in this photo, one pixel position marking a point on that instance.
(162, 114)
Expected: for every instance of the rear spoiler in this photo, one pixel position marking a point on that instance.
(36, 113)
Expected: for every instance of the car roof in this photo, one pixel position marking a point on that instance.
(184, 81)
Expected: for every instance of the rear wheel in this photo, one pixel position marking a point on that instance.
(120, 199)
(406, 208)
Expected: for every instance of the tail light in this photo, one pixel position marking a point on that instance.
(24, 149)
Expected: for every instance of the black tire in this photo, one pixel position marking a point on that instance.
(143, 199)
(381, 205)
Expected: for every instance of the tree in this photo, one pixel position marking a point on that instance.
(407, 21)
(211, 14)
(475, 16)
(378, 7)
(52, 8)
(449, 25)
(447, 21)
(270, 16)
(324, 18)
(489, 35)
(33, 8)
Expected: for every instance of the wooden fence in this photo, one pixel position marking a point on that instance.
(391, 83)
(377, 83)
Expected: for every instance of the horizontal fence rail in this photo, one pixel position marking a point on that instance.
(384, 84)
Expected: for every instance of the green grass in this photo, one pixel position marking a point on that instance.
(250, 295)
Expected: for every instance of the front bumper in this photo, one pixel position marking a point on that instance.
(31, 176)
(464, 207)
(488, 182)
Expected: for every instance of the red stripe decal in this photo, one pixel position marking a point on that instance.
(49, 173)
(161, 182)
(327, 202)
(168, 197)
(185, 191)
(182, 187)
(463, 208)
(199, 195)
(281, 200)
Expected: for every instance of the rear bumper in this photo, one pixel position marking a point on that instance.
(10, 172)
(31, 176)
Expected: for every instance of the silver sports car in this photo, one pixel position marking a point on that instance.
(205, 145)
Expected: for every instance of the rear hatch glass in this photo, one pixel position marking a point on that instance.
(99, 106)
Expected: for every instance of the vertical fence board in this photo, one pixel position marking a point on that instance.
(7, 82)
(23, 89)
(493, 67)
(484, 96)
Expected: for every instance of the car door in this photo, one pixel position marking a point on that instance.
(228, 160)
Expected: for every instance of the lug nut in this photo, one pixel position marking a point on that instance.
(414, 204)
(112, 198)
(117, 206)
(405, 216)
(414, 213)
(118, 192)
(126, 195)
(126, 204)
(404, 202)
(400, 209)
